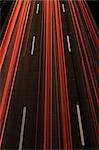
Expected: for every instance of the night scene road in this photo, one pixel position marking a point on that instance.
(49, 76)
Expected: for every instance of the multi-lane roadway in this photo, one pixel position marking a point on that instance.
(49, 77)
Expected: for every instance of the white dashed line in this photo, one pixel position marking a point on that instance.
(22, 128)
(80, 126)
(68, 42)
(33, 43)
(37, 8)
(63, 8)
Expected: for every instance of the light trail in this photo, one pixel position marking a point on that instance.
(90, 25)
(8, 32)
(89, 61)
(6, 99)
(52, 67)
(39, 83)
(57, 85)
(29, 26)
(48, 7)
(65, 114)
(90, 99)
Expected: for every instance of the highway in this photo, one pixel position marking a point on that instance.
(49, 86)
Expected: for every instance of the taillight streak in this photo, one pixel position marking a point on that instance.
(6, 99)
(8, 32)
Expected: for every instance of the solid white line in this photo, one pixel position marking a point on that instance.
(37, 9)
(63, 7)
(80, 126)
(33, 43)
(68, 42)
(22, 128)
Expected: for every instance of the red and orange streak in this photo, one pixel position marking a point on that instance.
(48, 8)
(78, 34)
(9, 31)
(65, 113)
(7, 93)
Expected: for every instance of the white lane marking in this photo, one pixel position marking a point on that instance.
(37, 8)
(63, 8)
(68, 42)
(80, 126)
(22, 128)
(33, 43)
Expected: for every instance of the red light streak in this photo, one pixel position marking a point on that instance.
(52, 22)
(86, 49)
(5, 102)
(8, 32)
(77, 29)
(65, 114)
(48, 8)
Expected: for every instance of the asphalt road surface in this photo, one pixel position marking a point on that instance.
(49, 80)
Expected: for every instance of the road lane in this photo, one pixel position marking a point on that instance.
(89, 133)
(24, 93)
(72, 85)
